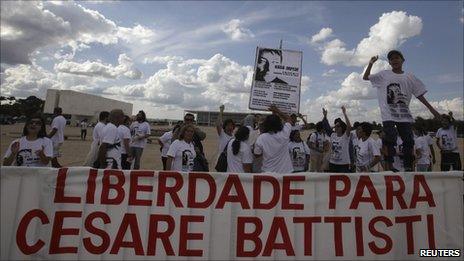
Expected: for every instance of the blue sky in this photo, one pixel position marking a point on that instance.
(190, 42)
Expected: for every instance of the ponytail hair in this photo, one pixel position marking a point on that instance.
(241, 135)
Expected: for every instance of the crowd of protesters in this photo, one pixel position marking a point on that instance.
(263, 144)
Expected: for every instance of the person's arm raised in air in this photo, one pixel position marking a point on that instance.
(285, 117)
(369, 67)
(347, 120)
(325, 123)
(305, 123)
(219, 120)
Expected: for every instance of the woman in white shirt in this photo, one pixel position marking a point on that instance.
(33, 149)
(239, 155)
(181, 153)
(367, 150)
(274, 137)
(299, 152)
(340, 141)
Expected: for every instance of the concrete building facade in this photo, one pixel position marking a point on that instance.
(82, 105)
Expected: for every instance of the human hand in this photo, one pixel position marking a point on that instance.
(221, 108)
(324, 112)
(373, 59)
(41, 152)
(15, 148)
(343, 109)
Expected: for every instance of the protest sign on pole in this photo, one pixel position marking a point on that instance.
(276, 80)
(81, 213)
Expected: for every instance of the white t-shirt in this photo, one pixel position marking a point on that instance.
(297, 127)
(298, 152)
(275, 158)
(353, 136)
(124, 133)
(244, 156)
(27, 156)
(139, 129)
(365, 151)
(398, 162)
(84, 125)
(340, 149)
(223, 139)
(394, 92)
(97, 133)
(166, 141)
(318, 139)
(421, 144)
(183, 154)
(58, 123)
(113, 153)
(448, 138)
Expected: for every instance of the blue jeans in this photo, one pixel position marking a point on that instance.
(404, 129)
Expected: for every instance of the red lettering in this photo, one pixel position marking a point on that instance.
(107, 186)
(233, 181)
(59, 231)
(186, 236)
(105, 238)
(135, 187)
(252, 236)
(419, 181)
(257, 183)
(129, 221)
(308, 231)
(359, 236)
(395, 193)
(278, 224)
(154, 234)
(193, 177)
(388, 241)
(59, 191)
(338, 238)
(163, 189)
(409, 230)
(90, 196)
(21, 240)
(334, 192)
(365, 182)
(287, 192)
(431, 231)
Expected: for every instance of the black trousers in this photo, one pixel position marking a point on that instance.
(345, 168)
(83, 134)
(450, 159)
(404, 129)
(124, 163)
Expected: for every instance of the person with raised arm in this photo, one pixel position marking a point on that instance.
(394, 91)
(224, 130)
(340, 142)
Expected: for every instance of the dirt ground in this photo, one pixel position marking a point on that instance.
(74, 149)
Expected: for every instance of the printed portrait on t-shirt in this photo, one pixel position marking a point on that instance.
(394, 94)
(298, 157)
(336, 150)
(25, 157)
(446, 141)
(134, 130)
(187, 160)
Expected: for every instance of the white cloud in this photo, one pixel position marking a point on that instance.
(305, 83)
(97, 69)
(137, 34)
(236, 31)
(329, 73)
(388, 33)
(162, 59)
(455, 105)
(323, 34)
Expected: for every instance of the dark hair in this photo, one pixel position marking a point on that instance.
(271, 51)
(126, 119)
(420, 129)
(319, 126)
(355, 125)
(366, 128)
(393, 52)
(189, 114)
(183, 129)
(342, 125)
(226, 122)
(241, 135)
(292, 135)
(103, 115)
(144, 116)
(57, 110)
(42, 132)
(272, 123)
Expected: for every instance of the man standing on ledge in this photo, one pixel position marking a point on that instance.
(394, 91)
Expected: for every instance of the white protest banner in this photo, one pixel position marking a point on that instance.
(277, 80)
(82, 213)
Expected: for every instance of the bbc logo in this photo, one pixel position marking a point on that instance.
(440, 253)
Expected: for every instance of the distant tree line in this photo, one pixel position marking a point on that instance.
(13, 107)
